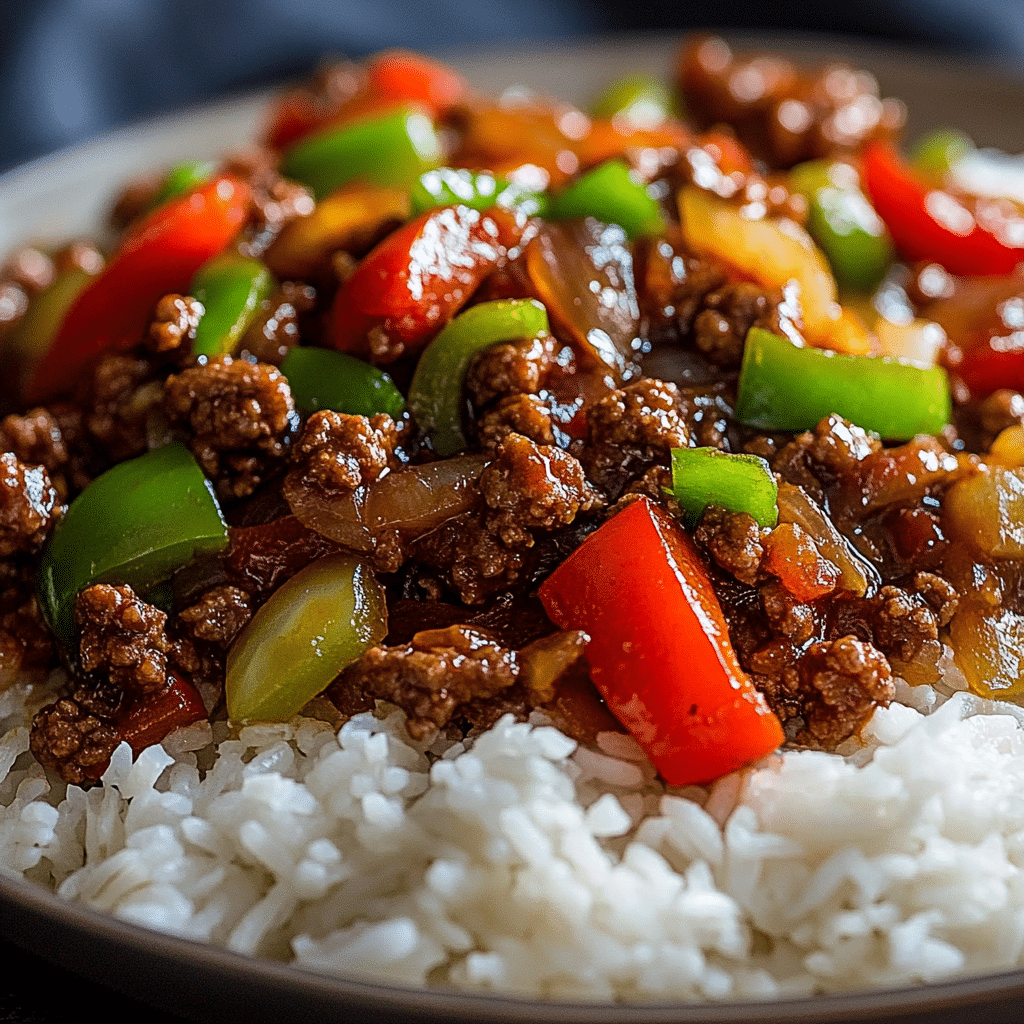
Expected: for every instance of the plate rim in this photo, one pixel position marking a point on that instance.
(29, 903)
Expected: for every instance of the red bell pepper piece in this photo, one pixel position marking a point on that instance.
(161, 255)
(659, 650)
(151, 718)
(411, 77)
(419, 277)
(927, 223)
(987, 368)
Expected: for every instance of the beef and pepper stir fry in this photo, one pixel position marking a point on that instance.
(705, 426)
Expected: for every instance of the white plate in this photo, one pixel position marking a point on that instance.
(66, 195)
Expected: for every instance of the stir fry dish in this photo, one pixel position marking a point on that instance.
(478, 405)
(694, 417)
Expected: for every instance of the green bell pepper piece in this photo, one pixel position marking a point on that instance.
(644, 102)
(392, 150)
(613, 194)
(435, 394)
(935, 153)
(841, 219)
(784, 387)
(739, 483)
(138, 523)
(230, 287)
(33, 336)
(183, 178)
(314, 624)
(323, 379)
(444, 186)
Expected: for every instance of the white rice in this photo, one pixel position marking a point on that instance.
(523, 865)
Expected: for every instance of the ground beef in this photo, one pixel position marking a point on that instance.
(721, 326)
(430, 677)
(218, 616)
(73, 740)
(276, 201)
(903, 623)
(26, 643)
(734, 541)
(523, 414)
(512, 368)
(782, 114)
(471, 558)
(238, 418)
(789, 618)
(531, 487)
(117, 405)
(174, 324)
(825, 456)
(36, 439)
(846, 679)
(629, 430)
(940, 594)
(122, 638)
(275, 329)
(827, 692)
(338, 452)
(29, 506)
(672, 284)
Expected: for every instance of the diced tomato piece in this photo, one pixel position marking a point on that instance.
(161, 255)
(659, 650)
(419, 277)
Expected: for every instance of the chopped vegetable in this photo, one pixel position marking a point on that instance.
(614, 194)
(739, 483)
(938, 151)
(638, 101)
(316, 623)
(986, 511)
(351, 218)
(160, 255)
(389, 150)
(659, 647)
(774, 251)
(322, 379)
(138, 524)
(411, 77)
(927, 223)
(844, 224)
(34, 335)
(446, 186)
(785, 387)
(435, 395)
(418, 278)
(184, 178)
(583, 273)
(148, 721)
(231, 288)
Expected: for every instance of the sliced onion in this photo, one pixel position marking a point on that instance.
(919, 341)
(412, 501)
(543, 662)
(583, 273)
(419, 499)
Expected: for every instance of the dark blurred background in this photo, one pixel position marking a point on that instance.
(70, 69)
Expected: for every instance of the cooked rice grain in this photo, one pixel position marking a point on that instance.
(520, 865)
